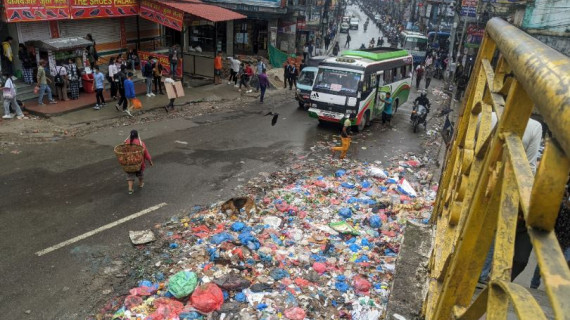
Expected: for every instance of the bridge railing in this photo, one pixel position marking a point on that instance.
(488, 186)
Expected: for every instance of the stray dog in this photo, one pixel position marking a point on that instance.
(236, 204)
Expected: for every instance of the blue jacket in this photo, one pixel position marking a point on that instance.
(129, 89)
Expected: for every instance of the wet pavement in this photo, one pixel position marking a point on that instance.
(60, 190)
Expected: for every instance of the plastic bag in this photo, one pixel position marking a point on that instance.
(137, 104)
(361, 285)
(344, 227)
(182, 284)
(207, 298)
(221, 237)
(295, 313)
(406, 188)
(346, 213)
(132, 301)
(378, 173)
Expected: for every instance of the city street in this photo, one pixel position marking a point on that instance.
(56, 191)
(359, 37)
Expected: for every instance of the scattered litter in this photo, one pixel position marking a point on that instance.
(141, 237)
(323, 245)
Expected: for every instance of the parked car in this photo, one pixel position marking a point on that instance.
(344, 27)
(354, 23)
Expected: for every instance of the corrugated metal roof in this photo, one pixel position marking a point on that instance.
(205, 11)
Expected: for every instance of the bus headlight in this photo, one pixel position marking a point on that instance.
(351, 101)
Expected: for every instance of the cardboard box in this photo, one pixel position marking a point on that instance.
(174, 90)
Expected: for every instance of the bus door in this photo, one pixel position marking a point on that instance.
(379, 79)
(384, 87)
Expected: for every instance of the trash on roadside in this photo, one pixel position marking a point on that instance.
(141, 237)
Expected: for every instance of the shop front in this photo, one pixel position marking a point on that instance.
(198, 28)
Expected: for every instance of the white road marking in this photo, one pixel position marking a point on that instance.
(103, 228)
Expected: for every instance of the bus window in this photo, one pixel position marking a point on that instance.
(409, 71)
(388, 78)
(373, 82)
(397, 74)
(380, 80)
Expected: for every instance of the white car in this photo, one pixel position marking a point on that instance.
(354, 23)
(344, 27)
(377, 17)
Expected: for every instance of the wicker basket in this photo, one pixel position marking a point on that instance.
(130, 156)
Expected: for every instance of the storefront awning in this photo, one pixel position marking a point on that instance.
(206, 11)
(171, 14)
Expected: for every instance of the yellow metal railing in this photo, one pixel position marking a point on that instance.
(488, 182)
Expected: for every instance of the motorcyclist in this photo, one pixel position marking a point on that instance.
(371, 43)
(423, 100)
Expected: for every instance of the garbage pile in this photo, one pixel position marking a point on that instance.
(322, 245)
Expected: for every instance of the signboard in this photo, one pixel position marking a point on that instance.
(163, 60)
(469, 8)
(474, 36)
(87, 9)
(36, 10)
(162, 14)
(301, 24)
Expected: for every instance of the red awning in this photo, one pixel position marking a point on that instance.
(205, 11)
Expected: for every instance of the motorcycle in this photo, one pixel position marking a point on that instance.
(419, 116)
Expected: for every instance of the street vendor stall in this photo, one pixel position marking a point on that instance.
(57, 51)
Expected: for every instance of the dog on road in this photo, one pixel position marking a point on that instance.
(234, 205)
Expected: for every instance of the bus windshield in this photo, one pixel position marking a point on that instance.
(306, 78)
(337, 81)
(416, 44)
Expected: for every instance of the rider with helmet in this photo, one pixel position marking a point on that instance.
(422, 100)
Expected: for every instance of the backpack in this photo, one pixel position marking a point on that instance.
(147, 70)
(58, 78)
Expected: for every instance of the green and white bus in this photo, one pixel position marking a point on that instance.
(354, 82)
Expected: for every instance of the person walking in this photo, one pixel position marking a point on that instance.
(429, 75)
(147, 74)
(92, 54)
(7, 57)
(311, 49)
(234, 70)
(263, 84)
(98, 86)
(461, 86)
(73, 78)
(292, 73)
(327, 42)
(61, 82)
(336, 49)
(157, 74)
(174, 56)
(135, 139)
(43, 84)
(387, 112)
(306, 51)
(259, 67)
(218, 68)
(27, 64)
(129, 88)
(121, 76)
(111, 71)
(347, 43)
(419, 75)
(245, 77)
(9, 94)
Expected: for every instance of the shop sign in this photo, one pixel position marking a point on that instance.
(253, 3)
(474, 36)
(301, 24)
(162, 59)
(86, 9)
(36, 10)
(162, 14)
(469, 8)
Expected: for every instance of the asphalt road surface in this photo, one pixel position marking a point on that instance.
(359, 37)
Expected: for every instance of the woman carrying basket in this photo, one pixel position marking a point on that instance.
(134, 139)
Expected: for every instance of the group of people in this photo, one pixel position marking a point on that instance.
(244, 73)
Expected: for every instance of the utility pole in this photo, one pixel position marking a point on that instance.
(452, 42)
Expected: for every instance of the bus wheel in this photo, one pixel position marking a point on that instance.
(321, 123)
(396, 104)
(363, 121)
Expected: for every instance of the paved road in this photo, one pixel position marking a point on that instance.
(359, 37)
(57, 191)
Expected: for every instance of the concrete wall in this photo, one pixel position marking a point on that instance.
(547, 20)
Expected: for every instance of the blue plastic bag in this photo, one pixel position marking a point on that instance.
(221, 237)
(345, 213)
(375, 221)
(237, 226)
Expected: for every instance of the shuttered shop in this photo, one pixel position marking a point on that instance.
(33, 31)
(149, 31)
(106, 32)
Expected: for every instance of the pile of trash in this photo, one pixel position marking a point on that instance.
(322, 245)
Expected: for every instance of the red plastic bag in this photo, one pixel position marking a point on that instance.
(137, 104)
(207, 298)
(361, 285)
(295, 313)
(319, 267)
(166, 309)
